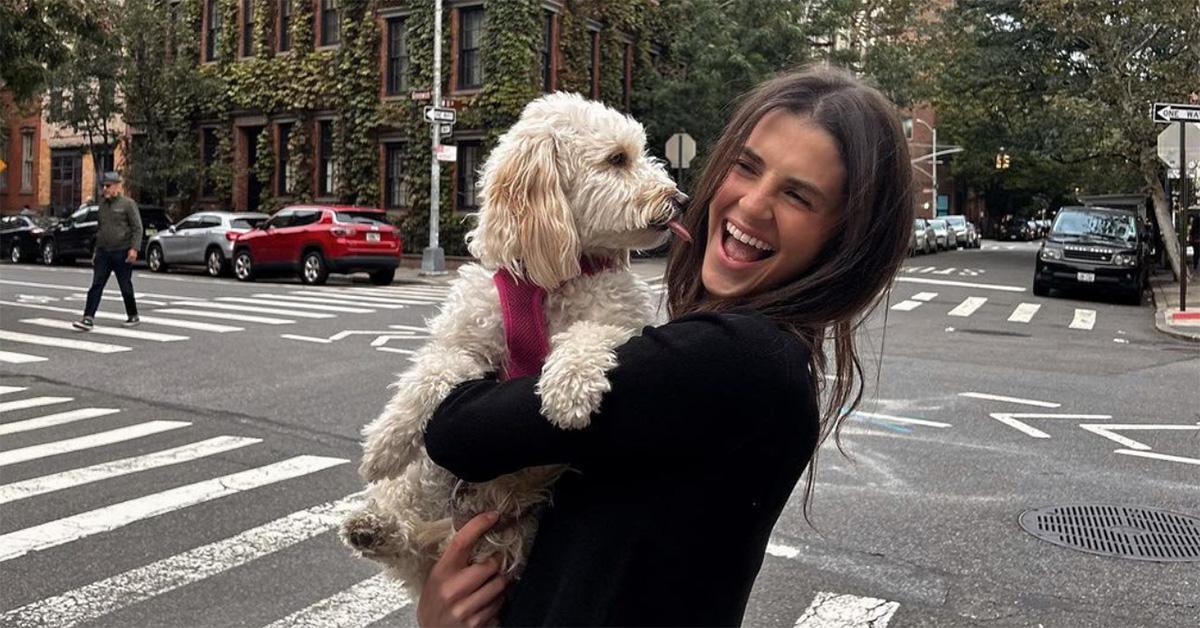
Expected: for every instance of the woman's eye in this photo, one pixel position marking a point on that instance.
(617, 159)
(799, 199)
(744, 166)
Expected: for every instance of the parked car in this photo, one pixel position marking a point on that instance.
(75, 236)
(315, 240)
(924, 240)
(944, 234)
(19, 236)
(1014, 229)
(974, 240)
(1096, 248)
(962, 232)
(202, 238)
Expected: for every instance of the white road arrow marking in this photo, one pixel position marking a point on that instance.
(1027, 402)
(1149, 454)
(1011, 419)
(1106, 431)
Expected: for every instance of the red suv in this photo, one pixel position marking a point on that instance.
(316, 240)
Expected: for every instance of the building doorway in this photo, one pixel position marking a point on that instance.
(66, 180)
(254, 187)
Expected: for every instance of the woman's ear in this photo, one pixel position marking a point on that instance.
(525, 223)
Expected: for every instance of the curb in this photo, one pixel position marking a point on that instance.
(1160, 317)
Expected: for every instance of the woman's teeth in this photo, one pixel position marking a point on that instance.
(747, 239)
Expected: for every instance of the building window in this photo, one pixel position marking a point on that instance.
(213, 34)
(330, 35)
(208, 149)
(285, 173)
(27, 161)
(594, 66)
(467, 199)
(627, 75)
(547, 51)
(395, 184)
(470, 70)
(102, 161)
(4, 156)
(397, 57)
(285, 25)
(247, 28)
(327, 166)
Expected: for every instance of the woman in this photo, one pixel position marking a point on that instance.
(800, 221)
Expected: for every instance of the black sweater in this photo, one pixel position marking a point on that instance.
(677, 482)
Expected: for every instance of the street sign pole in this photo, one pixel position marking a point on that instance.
(433, 259)
(1183, 206)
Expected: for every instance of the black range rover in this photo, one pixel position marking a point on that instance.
(1095, 248)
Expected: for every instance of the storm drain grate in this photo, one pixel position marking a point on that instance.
(1138, 533)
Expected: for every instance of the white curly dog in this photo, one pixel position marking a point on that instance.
(566, 194)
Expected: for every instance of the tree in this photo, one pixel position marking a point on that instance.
(35, 36)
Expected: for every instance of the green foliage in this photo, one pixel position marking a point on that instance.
(36, 38)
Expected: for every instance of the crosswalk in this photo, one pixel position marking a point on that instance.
(1022, 313)
(43, 320)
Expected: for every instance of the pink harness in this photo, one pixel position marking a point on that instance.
(521, 303)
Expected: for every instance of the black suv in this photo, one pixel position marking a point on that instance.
(75, 236)
(1094, 247)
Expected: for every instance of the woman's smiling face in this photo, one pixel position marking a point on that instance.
(776, 208)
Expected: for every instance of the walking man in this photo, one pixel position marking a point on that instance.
(117, 243)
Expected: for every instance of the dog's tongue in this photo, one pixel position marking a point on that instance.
(679, 230)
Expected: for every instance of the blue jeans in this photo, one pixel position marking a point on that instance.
(106, 262)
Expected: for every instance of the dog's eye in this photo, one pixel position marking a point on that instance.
(617, 159)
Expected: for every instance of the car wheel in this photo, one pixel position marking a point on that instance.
(154, 259)
(214, 261)
(312, 269)
(1040, 289)
(243, 266)
(49, 253)
(14, 254)
(383, 277)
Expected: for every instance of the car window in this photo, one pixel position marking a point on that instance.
(7, 223)
(360, 217)
(245, 223)
(184, 225)
(957, 221)
(1108, 225)
(207, 222)
(282, 219)
(79, 214)
(305, 217)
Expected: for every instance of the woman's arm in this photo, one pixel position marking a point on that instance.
(691, 389)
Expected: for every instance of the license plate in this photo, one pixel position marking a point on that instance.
(1085, 277)
(372, 237)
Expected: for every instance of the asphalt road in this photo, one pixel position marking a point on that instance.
(190, 473)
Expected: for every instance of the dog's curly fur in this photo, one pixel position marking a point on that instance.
(571, 178)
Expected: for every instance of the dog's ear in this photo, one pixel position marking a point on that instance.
(525, 223)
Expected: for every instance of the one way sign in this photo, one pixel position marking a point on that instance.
(1165, 113)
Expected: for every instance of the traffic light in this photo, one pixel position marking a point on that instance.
(1003, 160)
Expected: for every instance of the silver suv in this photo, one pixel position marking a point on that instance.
(202, 238)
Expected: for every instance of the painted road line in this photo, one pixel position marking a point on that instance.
(226, 316)
(237, 307)
(99, 439)
(323, 341)
(108, 470)
(396, 350)
(295, 305)
(361, 605)
(1024, 312)
(961, 284)
(4, 390)
(926, 269)
(968, 306)
(1027, 402)
(358, 299)
(49, 420)
(945, 271)
(420, 295)
(152, 320)
(76, 288)
(75, 527)
(1106, 430)
(97, 599)
(63, 343)
(12, 357)
(1013, 420)
(1084, 319)
(32, 402)
(842, 610)
(782, 551)
(899, 419)
(82, 297)
(907, 305)
(120, 332)
(924, 296)
(1150, 454)
(333, 300)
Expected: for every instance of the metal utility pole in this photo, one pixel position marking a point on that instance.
(433, 258)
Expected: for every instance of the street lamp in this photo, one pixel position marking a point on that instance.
(933, 159)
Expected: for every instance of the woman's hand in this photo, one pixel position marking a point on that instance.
(458, 593)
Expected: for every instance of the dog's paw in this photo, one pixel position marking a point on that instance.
(365, 532)
(571, 388)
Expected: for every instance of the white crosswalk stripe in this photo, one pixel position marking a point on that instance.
(968, 306)
(150, 320)
(296, 305)
(907, 305)
(44, 450)
(266, 320)
(118, 332)
(32, 402)
(924, 296)
(367, 298)
(58, 418)
(86, 524)
(12, 357)
(108, 470)
(1024, 312)
(64, 343)
(1084, 319)
(253, 309)
(338, 301)
(841, 610)
(364, 603)
(4, 390)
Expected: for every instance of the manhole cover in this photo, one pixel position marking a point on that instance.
(1138, 533)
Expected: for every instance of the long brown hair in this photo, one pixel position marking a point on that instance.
(832, 298)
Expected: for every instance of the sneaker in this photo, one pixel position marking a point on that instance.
(84, 324)
(132, 322)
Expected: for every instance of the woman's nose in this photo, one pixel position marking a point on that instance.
(756, 200)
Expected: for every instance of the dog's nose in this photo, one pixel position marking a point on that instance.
(680, 199)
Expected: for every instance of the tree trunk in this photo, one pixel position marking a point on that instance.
(1162, 211)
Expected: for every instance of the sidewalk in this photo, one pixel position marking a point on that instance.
(1167, 317)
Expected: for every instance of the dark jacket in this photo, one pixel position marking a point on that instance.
(120, 224)
(675, 486)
